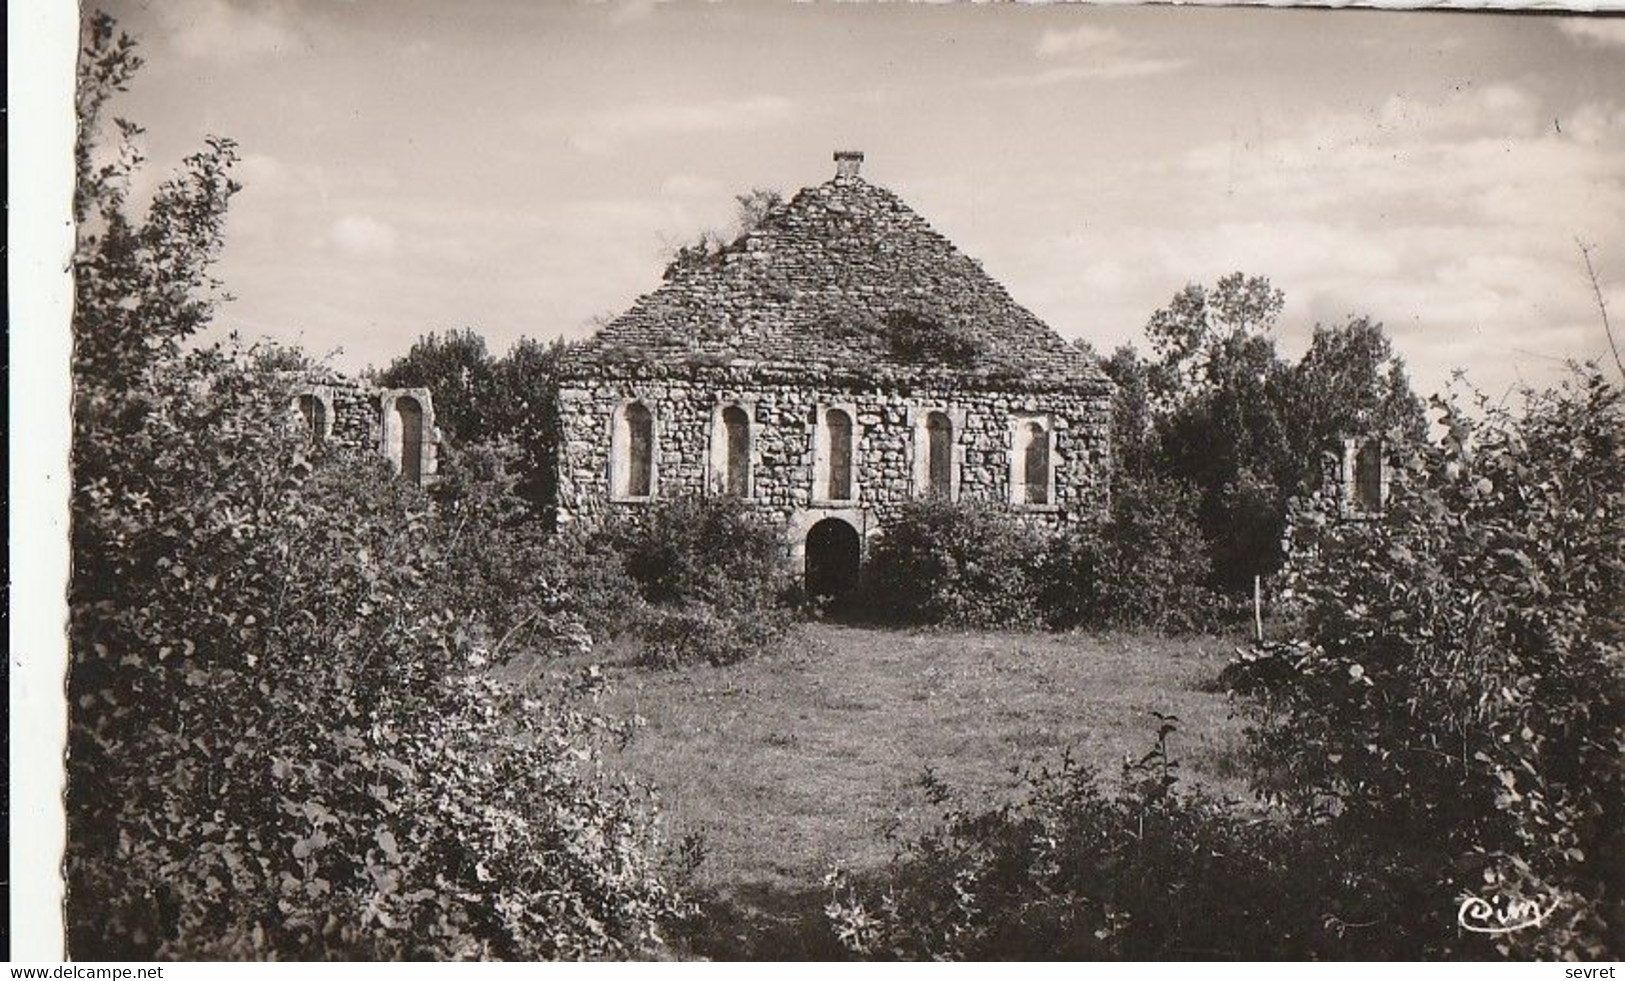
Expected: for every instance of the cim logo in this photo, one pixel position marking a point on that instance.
(1502, 914)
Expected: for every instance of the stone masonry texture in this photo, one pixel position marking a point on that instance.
(841, 296)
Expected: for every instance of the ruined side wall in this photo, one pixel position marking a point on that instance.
(783, 446)
(358, 416)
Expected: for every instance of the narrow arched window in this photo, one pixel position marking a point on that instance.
(406, 437)
(1368, 476)
(1034, 458)
(636, 457)
(736, 472)
(939, 442)
(839, 426)
(314, 416)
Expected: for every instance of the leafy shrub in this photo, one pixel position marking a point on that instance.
(697, 631)
(713, 573)
(284, 736)
(709, 549)
(285, 739)
(1455, 706)
(940, 562)
(916, 336)
(590, 583)
(1072, 872)
(1144, 567)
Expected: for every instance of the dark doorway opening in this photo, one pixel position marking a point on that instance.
(409, 424)
(833, 553)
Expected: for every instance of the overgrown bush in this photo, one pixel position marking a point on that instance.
(1072, 871)
(697, 631)
(1145, 567)
(590, 582)
(939, 339)
(706, 549)
(958, 564)
(1456, 704)
(286, 741)
(284, 736)
(713, 578)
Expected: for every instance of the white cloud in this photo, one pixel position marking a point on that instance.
(1080, 39)
(1087, 52)
(1594, 30)
(1452, 218)
(690, 186)
(220, 30)
(606, 131)
(1106, 71)
(363, 237)
(623, 12)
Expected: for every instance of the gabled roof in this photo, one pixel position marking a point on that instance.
(844, 281)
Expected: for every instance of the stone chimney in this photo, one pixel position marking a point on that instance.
(847, 162)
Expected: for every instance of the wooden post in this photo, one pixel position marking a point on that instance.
(1258, 608)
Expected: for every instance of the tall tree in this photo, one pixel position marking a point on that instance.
(1204, 333)
(1134, 434)
(525, 410)
(458, 371)
(1350, 382)
(1219, 387)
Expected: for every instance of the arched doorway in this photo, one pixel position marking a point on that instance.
(406, 438)
(833, 552)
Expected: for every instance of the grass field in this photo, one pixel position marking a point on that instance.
(793, 764)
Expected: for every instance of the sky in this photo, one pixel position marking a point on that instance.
(522, 168)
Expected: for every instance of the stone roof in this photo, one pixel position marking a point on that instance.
(843, 283)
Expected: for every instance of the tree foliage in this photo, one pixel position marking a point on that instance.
(751, 209)
(958, 564)
(285, 736)
(483, 400)
(1221, 410)
(1456, 703)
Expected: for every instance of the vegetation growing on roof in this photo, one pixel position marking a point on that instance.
(916, 336)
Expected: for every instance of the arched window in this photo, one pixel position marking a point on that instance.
(406, 437)
(313, 415)
(633, 463)
(1030, 469)
(1368, 476)
(838, 425)
(736, 452)
(939, 462)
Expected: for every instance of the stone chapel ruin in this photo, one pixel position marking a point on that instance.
(833, 363)
(332, 410)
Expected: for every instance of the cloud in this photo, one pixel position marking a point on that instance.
(220, 30)
(362, 237)
(606, 131)
(1451, 217)
(1105, 71)
(690, 186)
(1594, 30)
(622, 12)
(1087, 52)
(1080, 39)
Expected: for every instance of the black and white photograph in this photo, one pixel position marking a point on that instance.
(769, 481)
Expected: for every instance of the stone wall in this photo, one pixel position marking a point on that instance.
(843, 297)
(783, 447)
(356, 416)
